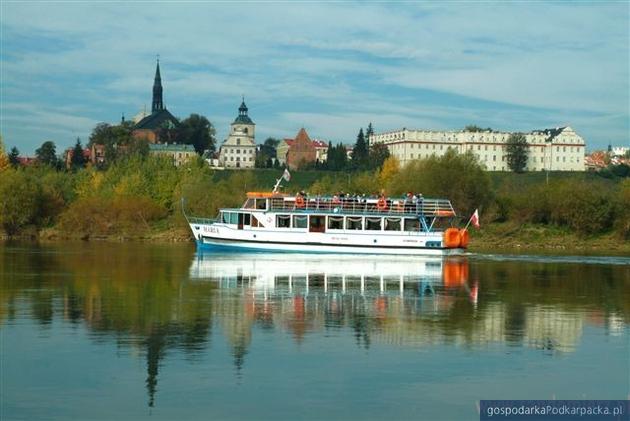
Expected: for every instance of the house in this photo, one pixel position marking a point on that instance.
(239, 149)
(181, 154)
(301, 151)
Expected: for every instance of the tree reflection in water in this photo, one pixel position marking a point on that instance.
(163, 299)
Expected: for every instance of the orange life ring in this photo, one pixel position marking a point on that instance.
(299, 202)
(451, 238)
(381, 205)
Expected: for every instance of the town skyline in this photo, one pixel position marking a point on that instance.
(331, 68)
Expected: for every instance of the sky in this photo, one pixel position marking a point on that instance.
(331, 67)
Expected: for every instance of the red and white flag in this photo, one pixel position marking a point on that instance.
(474, 219)
(286, 175)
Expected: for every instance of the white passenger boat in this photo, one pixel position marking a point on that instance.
(270, 221)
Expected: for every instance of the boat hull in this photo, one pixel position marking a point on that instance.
(216, 237)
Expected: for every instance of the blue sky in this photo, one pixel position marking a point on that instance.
(330, 67)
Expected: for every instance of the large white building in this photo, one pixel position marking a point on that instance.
(239, 149)
(559, 149)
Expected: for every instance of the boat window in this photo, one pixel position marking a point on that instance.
(392, 224)
(300, 221)
(283, 221)
(412, 224)
(373, 224)
(247, 218)
(354, 223)
(233, 218)
(249, 204)
(255, 222)
(335, 222)
(225, 218)
(261, 204)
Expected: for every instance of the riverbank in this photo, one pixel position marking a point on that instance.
(493, 238)
(504, 237)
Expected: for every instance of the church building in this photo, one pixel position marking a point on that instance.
(239, 149)
(155, 126)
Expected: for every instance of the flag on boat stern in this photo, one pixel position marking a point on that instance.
(474, 219)
(286, 175)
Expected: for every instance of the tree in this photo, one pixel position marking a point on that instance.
(196, 130)
(368, 132)
(517, 152)
(4, 159)
(360, 152)
(475, 128)
(267, 153)
(14, 157)
(378, 154)
(46, 154)
(78, 159)
(337, 158)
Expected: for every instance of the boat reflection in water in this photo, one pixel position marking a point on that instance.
(309, 292)
(316, 274)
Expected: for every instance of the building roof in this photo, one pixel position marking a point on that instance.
(302, 136)
(173, 147)
(156, 120)
(242, 117)
(320, 143)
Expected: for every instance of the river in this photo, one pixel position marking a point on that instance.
(134, 331)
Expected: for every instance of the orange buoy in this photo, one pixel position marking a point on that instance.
(451, 238)
(464, 238)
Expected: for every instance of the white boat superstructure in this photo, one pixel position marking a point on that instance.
(334, 224)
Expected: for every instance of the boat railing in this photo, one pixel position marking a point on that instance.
(195, 220)
(359, 205)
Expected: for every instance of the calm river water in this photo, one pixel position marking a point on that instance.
(132, 331)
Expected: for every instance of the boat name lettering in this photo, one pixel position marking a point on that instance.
(211, 229)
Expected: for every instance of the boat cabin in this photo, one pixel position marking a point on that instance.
(339, 214)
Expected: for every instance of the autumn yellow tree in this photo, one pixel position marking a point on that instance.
(390, 168)
(4, 159)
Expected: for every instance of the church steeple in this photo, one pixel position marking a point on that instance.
(157, 104)
(242, 110)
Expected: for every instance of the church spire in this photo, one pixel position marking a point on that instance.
(157, 104)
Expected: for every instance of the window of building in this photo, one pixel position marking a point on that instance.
(300, 221)
(238, 141)
(494, 157)
(283, 221)
(354, 223)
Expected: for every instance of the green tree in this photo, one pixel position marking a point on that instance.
(474, 128)
(360, 154)
(197, 130)
(47, 155)
(78, 159)
(457, 177)
(14, 157)
(337, 158)
(378, 154)
(368, 132)
(517, 152)
(267, 153)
